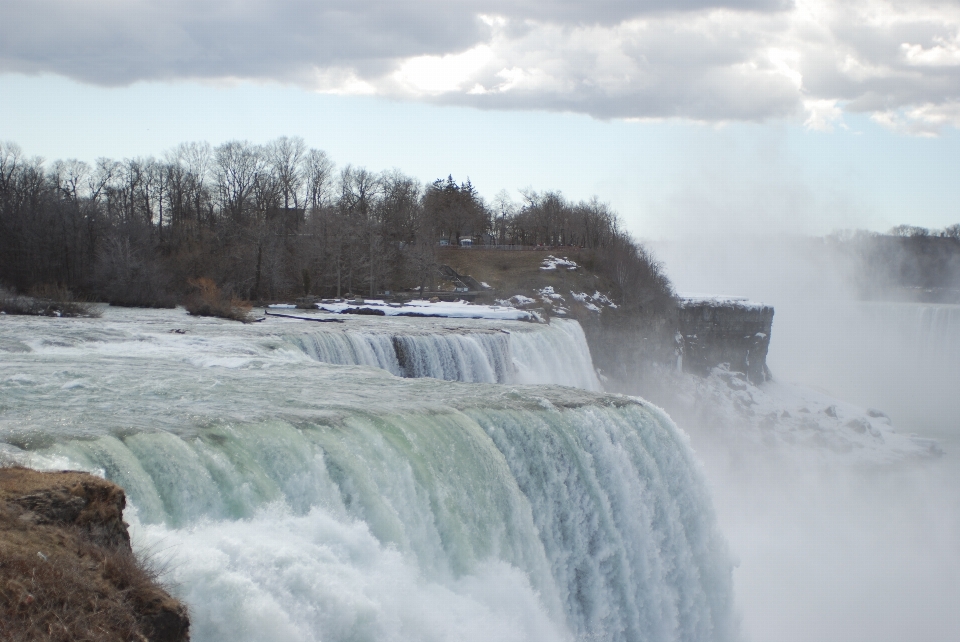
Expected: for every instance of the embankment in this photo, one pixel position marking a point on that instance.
(67, 571)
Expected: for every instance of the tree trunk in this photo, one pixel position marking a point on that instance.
(256, 283)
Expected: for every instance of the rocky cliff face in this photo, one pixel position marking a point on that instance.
(67, 571)
(631, 350)
(712, 332)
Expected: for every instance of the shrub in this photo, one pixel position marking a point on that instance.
(209, 301)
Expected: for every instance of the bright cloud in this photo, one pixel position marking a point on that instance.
(946, 53)
(822, 114)
(433, 75)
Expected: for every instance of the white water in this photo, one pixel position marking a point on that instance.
(555, 353)
(298, 500)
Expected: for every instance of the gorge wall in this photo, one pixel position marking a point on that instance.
(712, 332)
(697, 335)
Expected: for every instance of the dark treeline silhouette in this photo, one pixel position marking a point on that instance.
(907, 262)
(270, 221)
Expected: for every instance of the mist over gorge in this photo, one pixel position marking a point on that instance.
(855, 553)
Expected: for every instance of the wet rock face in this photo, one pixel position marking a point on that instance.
(66, 567)
(711, 334)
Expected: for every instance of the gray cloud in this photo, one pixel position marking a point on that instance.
(614, 11)
(99, 41)
(698, 59)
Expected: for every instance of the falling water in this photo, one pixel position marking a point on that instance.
(298, 500)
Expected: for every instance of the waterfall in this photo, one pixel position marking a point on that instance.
(540, 354)
(557, 354)
(594, 515)
(902, 358)
(297, 500)
(350, 349)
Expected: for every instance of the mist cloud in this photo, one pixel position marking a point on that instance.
(706, 60)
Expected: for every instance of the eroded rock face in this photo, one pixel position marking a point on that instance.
(88, 503)
(66, 567)
(732, 333)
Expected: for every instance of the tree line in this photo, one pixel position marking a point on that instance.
(269, 221)
(907, 259)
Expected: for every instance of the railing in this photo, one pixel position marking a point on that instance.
(517, 248)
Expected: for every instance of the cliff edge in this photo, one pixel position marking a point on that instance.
(67, 571)
(725, 330)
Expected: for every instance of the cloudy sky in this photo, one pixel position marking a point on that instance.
(803, 115)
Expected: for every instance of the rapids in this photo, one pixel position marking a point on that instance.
(295, 499)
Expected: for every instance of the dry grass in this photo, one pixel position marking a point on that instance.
(208, 300)
(92, 596)
(47, 301)
(518, 272)
(63, 576)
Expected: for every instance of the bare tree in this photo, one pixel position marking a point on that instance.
(237, 167)
(287, 159)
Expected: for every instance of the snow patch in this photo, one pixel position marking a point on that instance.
(548, 292)
(718, 301)
(517, 299)
(595, 301)
(448, 309)
(552, 263)
(553, 300)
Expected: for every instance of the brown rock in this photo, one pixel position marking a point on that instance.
(66, 567)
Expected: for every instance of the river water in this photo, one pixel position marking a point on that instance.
(291, 498)
(298, 489)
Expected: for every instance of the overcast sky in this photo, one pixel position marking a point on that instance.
(806, 116)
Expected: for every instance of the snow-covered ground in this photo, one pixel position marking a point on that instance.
(453, 310)
(692, 299)
(789, 419)
(556, 303)
(553, 301)
(516, 300)
(593, 302)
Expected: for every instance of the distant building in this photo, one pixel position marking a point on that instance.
(466, 242)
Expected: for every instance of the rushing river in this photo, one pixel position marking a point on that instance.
(298, 489)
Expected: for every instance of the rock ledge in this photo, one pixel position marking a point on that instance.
(67, 571)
